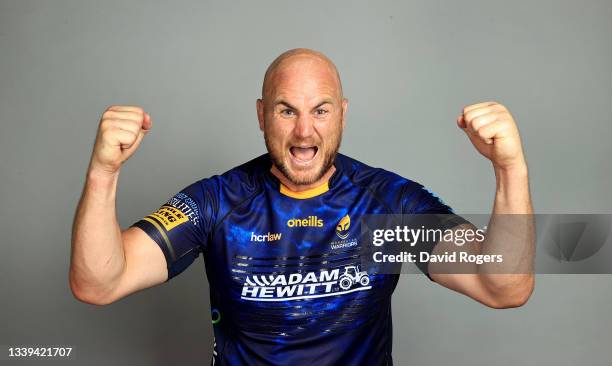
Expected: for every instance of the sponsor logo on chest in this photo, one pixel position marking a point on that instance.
(310, 221)
(307, 285)
(265, 237)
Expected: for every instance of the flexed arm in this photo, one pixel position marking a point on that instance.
(106, 263)
(493, 132)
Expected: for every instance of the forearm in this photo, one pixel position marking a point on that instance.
(512, 191)
(511, 233)
(97, 251)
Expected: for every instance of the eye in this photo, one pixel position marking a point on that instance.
(287, 112)
(321, 112)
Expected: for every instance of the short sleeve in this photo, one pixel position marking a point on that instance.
(416, 199)
(180, 227)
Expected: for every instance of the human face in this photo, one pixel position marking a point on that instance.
(302, 117)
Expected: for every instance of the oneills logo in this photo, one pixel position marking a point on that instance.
(310, 221)
(342, 229)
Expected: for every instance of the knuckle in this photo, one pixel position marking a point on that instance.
(132, 135)
(107, 133)
(481, 133)
(125, 121)
(106, 122)
(478, 121)
(506, 127)
(120, 119)
(505, 115)
(135, 117)
(130, 124)
(107, 114)
(503, 119)
(123, 118)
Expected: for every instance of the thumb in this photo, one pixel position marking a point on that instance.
(475, 139)
(131, 149)
(461, 122)
(147, 123)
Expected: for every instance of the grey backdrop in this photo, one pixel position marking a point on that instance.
(408, 68)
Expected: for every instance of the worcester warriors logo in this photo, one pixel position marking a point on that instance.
(342, 229)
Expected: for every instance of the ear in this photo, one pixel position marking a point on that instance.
(344, 110)
(260, 113)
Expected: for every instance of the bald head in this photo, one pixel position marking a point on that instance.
(302, 115)
(302, 59)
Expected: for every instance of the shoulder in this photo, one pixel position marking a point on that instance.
(240, 180)
(399, 193)
(227, 190)
(374, 178)
(213, 196)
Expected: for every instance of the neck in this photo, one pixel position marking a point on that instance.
(301, 187)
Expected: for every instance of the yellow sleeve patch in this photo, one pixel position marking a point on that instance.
(170, 217)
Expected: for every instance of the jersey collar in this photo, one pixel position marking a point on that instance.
(310, 193)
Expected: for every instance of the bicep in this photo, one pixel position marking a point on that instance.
(145, 264)
(460, 277)
(163, 244)
(469, 284)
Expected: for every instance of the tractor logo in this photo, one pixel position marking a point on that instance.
(342, 229)
(352, 276)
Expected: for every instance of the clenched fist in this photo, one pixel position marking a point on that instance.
(121, 130)
(493, 132)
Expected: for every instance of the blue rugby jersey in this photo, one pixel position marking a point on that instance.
(283, 267)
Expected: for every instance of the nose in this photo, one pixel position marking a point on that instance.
(304, 127)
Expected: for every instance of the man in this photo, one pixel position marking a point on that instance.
(276, 232)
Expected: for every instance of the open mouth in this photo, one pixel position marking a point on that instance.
(303, 154)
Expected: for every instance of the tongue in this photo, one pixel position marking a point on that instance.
(303, 153)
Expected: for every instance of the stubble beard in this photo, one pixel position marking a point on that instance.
(328, 161)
